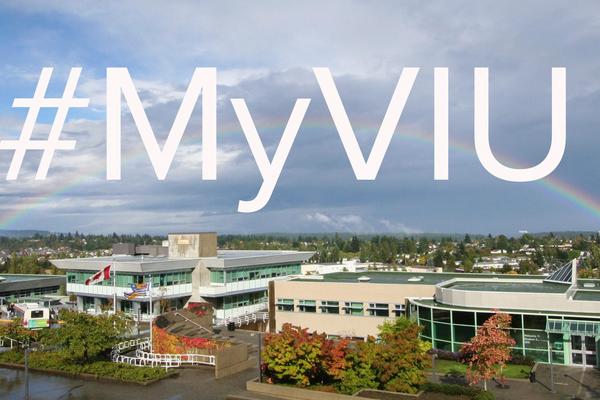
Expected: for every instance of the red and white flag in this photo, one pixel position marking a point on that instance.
(102, 275)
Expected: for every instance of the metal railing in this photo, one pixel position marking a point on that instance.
(244, 319)
(144, 358)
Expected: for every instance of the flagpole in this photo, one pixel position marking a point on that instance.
(151, 314)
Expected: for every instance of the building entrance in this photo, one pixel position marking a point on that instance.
(583, 351)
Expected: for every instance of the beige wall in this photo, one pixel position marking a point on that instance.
(342, 324)
(192, 245)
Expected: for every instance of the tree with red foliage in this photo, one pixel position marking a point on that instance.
(487, 353)
(301, 358)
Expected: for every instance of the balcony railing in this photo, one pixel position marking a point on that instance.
(109, 291)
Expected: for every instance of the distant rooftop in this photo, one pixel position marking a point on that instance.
(224, 259)
(414, 278)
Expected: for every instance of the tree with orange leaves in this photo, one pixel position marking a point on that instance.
(487, 353)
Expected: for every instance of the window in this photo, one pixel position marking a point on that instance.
(37, 314)
(463, 318)
(399, 310)
(440, 315)
(482, 317)
(353, 308)
(285, 304)
(307, 306)
(330, 307)
(379, 310)
(535, 322)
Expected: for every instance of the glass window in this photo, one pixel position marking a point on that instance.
(426, 327)
(535, 340)
(442, 331)
(517, 334)
(516, 321)
(482, 317)
(537, 355)
(463, 333)
(441, 315)
(463, 317)
(307, 306)
(399, 310)
(442, 345)
(534, 322)
(379, 310)
(285, 304)
(353, 308)
(556, 341)
(330, 307)
(424, 312)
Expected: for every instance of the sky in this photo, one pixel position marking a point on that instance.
(264, 52)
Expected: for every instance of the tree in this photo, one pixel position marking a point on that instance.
(401, 356)
(360, 372)
(487, 353)
(301, 358)
(83, 336)
(16, 331)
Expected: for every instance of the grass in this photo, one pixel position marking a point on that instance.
(510, 371)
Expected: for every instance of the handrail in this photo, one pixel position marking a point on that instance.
(145, 358)
(194, 322)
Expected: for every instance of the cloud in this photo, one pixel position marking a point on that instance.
(268, 63)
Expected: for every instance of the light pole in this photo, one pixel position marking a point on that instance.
(260, 373)
(27, 371)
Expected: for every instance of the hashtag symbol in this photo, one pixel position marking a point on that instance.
(53, 143)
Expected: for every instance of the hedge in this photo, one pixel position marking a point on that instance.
(106, 369)
(473, 392)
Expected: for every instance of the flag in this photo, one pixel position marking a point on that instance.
(102, 275)
(137, 290)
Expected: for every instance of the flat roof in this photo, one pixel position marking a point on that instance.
(429, 302)
(224, 259)
(529, 287)
(15, 282)
(412, 278)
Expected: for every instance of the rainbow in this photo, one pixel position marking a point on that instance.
(553, 184)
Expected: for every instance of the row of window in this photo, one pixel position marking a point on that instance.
(242, 300)
(335, 307)
(252, 273)
(449, 329)
(37, 292)
(125, 280)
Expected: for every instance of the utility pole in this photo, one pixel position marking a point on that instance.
(260, 373)
(27, 371)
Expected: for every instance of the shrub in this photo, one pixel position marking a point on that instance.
(54, 361)
(452, 389)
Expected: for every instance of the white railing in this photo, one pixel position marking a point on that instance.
(13, 342)
(244, 319)
(216, 289)
(157, 292)
(145, 358)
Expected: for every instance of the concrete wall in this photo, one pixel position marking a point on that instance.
(192, 245)
(342, 324)
(232, 360)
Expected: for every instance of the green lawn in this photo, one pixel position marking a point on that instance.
(511, 370)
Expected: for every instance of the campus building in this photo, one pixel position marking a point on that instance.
(557, 316)
(16, 288)
(187, 268)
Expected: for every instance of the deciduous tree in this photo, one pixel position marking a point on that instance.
(488, 352)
